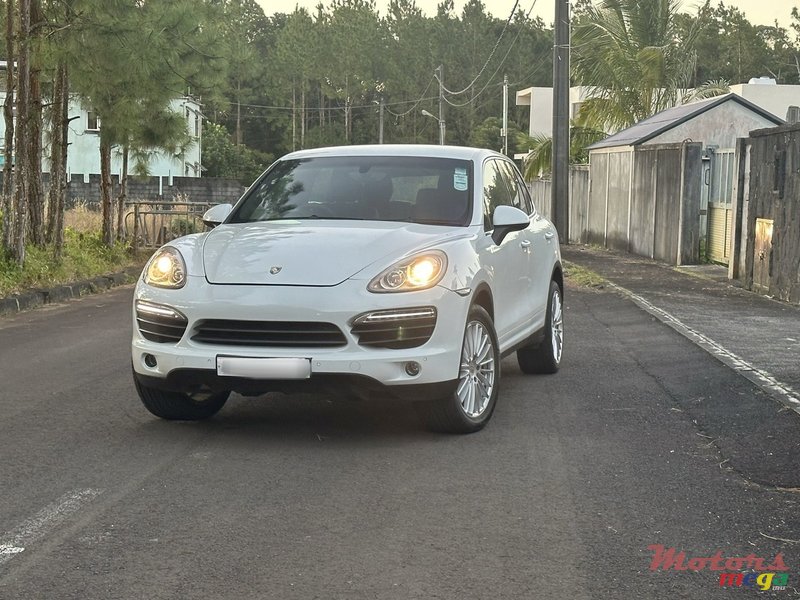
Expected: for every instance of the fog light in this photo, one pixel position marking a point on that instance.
(150, 361)
(412, 368)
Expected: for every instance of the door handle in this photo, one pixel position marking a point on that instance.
(525, 244)
(549, 235)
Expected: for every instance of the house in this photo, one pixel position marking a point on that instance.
(540, 101)
(84, 143)
(663, 187)
(763, 92)
(765, 253)
(83, 156)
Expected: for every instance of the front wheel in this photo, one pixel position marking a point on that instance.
(470, 406)
(546, 357)
(175, 406)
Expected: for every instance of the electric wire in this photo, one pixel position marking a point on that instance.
(421, 98)
(497, 70)
(488, 60)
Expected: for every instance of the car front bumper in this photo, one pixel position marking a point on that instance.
(188, 365)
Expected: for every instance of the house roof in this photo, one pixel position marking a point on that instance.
(672, 117)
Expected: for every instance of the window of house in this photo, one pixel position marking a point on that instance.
(92, 121)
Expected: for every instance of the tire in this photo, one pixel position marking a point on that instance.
(175, 406)
(546, 356)
(469, 407)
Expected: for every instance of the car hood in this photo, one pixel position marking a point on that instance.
(311, 253)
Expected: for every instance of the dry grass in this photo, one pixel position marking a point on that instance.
(83, 218)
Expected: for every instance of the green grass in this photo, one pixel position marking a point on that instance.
(582, 277)
(83, 256)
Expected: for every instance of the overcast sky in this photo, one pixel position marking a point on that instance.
(758, 11)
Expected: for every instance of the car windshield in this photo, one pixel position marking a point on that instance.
(435, 191)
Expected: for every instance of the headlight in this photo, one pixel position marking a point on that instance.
(419, 272)
(166, 269)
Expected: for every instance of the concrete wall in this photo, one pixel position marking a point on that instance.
(719, 126)
(206, 190)
(773, 192)
(579, 200)
(645, 201)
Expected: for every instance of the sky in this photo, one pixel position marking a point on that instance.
(759, 12)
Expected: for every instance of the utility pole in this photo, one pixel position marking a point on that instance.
(440, 77)
(560, 167)
(380, 122)
(504, 132)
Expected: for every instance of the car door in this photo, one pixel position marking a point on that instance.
(507, 263)
(541, 236)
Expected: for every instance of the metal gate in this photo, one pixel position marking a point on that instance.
(720, 207)
(149, 224)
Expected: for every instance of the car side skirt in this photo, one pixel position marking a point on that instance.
(535, 339)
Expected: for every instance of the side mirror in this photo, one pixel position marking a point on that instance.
(507, 219)
(217, 214)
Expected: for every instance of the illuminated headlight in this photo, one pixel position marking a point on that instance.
(419, 272)
(166, 269)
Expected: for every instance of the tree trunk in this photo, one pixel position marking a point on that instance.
(9, 206)
(347, 110)
(58, 160)
(34, 135)
(321, 109)
(294, 120)
(238, 113)
(106, 192)
(303, 116)
(123, 195)
(21, 133)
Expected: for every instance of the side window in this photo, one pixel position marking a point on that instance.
(495, 191)
(519, 191)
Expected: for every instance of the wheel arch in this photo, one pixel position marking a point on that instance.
(558, 277)
(483, 298)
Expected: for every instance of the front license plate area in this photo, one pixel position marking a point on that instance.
(263, 368)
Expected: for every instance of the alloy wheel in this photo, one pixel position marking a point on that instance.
(476, 378)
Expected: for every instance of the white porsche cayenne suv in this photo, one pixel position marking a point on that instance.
(401, 271)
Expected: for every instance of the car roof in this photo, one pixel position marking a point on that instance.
(422, 150)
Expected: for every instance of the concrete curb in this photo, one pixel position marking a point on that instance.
(62, 293)
(765, 381)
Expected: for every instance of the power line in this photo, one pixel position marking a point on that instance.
(500, 66)
(421, 98)
(488, 60)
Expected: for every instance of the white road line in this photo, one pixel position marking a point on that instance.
(780, 391)
(15, 541)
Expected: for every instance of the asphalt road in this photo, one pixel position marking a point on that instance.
(641, 439)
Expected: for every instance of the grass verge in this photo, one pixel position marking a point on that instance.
(84, 256)
(582, 277)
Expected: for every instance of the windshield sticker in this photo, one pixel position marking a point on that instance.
(460, 182)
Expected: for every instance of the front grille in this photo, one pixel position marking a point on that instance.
(274, 334)
(395, 329)
(162, 325)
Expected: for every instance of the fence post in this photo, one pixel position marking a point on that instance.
(136, 227)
